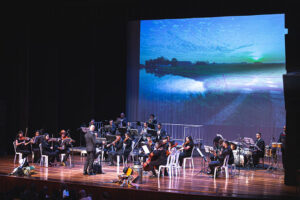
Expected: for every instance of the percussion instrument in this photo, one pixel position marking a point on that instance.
(247, 152)
(276, 145)
(268, 151)
(238, 158)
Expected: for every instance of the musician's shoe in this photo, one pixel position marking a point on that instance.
(63, 163)
(111, 164)
(153, 176)
(209, 173)
(92, 173)
(85, 173)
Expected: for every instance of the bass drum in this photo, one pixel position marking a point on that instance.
(238, 158)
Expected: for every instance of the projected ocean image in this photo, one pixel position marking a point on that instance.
(213, 71)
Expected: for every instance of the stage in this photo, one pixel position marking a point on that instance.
(247, 184)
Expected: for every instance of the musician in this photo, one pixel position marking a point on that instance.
(226, 151)
(129, 126)
(150, 145)
(144, 131)
(217, 147)
(22, 144)
(90, 141)
(117, 149)
(159, 157)
(123, 120)
(259, 150)
(48, 149)
(113, 127)
(282, 139)
(127, 145)
(36, 140)
(160, 133)
(187, 148)
(64, 144)
(152, 121)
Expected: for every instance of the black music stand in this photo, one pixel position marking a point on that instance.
(152, 132)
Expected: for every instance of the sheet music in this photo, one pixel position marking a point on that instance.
(145, 148)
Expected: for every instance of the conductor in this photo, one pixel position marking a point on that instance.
(90, 141)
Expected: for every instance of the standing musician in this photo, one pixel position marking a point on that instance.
(48, 149)
(144, 131)
(226, 151)
(64, 144)
(187, 148)
(113, 127)
(152, 121)
(259, 149)
(117, 149)
(36, 141)
(127, 145)
(123, 120)
(282, 139)
(23, 144)
(90, 141)
(156, 158)
(160, 133)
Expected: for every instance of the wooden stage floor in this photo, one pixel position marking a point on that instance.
(248, 184)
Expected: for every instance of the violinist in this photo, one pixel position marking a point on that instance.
(23, 144)
(127, 145)
(48, 149)
(217, 147)
(64, 144)
(117, 149)
(156, 158)
(160, 133)
(36, 140)
(187, 149)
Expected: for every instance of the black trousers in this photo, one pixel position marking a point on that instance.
(183, 155)
(155, 164)
(213, 164)
(256, 155)
(67, 152)
(51, 155)
(112, 155)
(37, 154)
(88, 165)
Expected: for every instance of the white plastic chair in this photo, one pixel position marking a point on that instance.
(224, 166)
(169, 165)
(44, 158)
(16, 153)
(190, 159)
(176, 165)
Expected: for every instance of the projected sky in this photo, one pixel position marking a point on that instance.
(223, 72)
(219, 39)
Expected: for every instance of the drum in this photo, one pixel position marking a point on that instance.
(279, 145)
(247, 152)
(268, 151)
(238, 158)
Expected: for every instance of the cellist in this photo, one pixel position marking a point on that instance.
(156, 158)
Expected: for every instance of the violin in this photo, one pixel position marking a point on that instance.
(24, 140)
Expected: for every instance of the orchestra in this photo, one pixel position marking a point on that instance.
(150, 144)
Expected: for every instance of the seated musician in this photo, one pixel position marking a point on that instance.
(150, 145)
(48, 149)
(160, 133)
(259, 149)
(117, 149)
(158, 157)
(226, 151)
(36, 140)
(152, 121)
(127, 145)
(23, 144)
(218, 145)
(64, 144)
(187, 148)
(129, 126)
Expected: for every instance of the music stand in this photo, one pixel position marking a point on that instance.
(152, 132)
(122, 130)
(110, 138)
